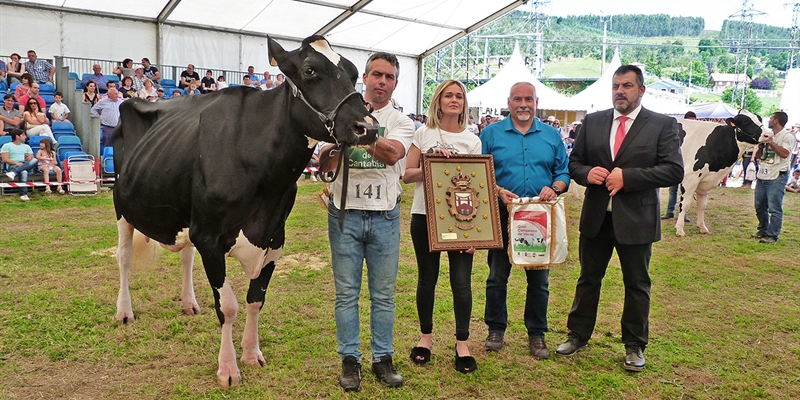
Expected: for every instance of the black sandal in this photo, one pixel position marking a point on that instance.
(420, 355)
(465, 364)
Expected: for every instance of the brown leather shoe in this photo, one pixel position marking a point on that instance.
(494, 342)
(538, 348)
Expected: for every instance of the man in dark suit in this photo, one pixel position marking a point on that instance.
(622, 156)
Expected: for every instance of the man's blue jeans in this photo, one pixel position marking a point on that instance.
(373, 236)
(22, 172)
(537, 293)
(673, 199)
(769, 205)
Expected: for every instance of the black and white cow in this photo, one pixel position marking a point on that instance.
(219, 172)
(710, 151)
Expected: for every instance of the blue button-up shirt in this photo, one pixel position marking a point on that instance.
(107, 110)
(524, 164)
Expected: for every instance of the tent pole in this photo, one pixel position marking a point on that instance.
(420, 82)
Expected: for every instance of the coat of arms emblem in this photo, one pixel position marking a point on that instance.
(463, 201)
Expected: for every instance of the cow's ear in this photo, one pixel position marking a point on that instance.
(730, 122)
(350, 69)
(276, 52)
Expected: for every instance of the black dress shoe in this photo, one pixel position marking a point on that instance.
(571, 346)
(634, 359)
(768, 239)
(668, 216)
(686, 218)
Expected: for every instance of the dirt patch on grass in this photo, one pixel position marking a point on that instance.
(308, 261)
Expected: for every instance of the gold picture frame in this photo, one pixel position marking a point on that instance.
(460, 203)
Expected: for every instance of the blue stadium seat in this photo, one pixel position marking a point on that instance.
(108, 160)
(46, 88)
(68, 143)
(168, 83)
(63, 127)
(48, 100)
(112, 78)
(5, 139)
(33, 141)
(74, 154)
(3, 87)
(14, 86)
(78, 84)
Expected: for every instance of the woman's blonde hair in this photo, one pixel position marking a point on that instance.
(435, 111)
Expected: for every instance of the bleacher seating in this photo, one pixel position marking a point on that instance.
(68, 143)
(48, 99)
(33, 141)
(5, 139)
(3, 87)
(14, 87)
(46, 89)
(108, 160)
(63, 127)
(112, 78)
(78, 84)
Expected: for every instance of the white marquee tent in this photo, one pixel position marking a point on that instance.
(790, 102)
(598, 95)
(231, 35)
(494, 93)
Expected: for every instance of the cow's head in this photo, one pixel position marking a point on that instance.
(325, 81)
(748, 127)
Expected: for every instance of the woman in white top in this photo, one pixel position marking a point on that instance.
(148, 92)
(446, 133)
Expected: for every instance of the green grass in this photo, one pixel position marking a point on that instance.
(573, 67)
(724, 319)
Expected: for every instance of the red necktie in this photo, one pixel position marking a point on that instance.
(620, 134)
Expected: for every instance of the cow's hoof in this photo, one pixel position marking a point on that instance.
(680, 234)
(191, 310)
(228, 379)
(254, 359)
(125, 317)
(705, 231)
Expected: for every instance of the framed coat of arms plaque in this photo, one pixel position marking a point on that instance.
(460, 203)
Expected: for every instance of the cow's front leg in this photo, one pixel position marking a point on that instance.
(189, 304)
(228, 374)
(251, 352)
(124, 257)
(702, 200)
(684, 208)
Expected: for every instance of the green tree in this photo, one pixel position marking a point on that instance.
(778, 60)
(751, 102)
(699, 73)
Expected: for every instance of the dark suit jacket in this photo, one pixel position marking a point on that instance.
(650, 158)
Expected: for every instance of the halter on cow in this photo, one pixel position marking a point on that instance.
(219, 172)
(710, 151)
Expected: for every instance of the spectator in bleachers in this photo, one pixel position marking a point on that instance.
(268, 86)
(221, 84)
(20, 160)
(251, 72)
(2, 70)
(187, 76)
(97, 77)
(36, 122)
(176, 93)
(246, 81)
(91, 96)
(193, 87)
(32, 94)
(110, 85)
(160, 93)
(11, 117)
(150, 71)
(138, 78)
(126, 88)
(279, 80)
(47, 163)
(208, 84)
(125, 68)
(59, 111)
(41, 70)
(14, 69)
(149, 92)
(266, 78)
(108, 111)
(23, 88)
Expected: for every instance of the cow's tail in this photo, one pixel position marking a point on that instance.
(145, 251)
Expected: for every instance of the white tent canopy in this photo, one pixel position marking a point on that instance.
(790, 102)
(598, 95)
(494, 93)
(231, 35)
